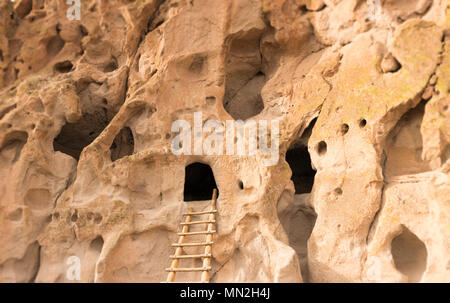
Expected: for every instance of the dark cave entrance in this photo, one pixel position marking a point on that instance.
(299, 161)
(302, 172)
(74, 137)
(199, 182)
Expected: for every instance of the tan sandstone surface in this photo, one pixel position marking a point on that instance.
(361, 191)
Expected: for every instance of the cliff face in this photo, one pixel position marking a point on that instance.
(359, 91)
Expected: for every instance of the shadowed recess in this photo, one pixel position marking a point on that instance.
(74, 137)
(302, 172)
(199, 182)
(410, 255)
(123, 144)
(299, 161)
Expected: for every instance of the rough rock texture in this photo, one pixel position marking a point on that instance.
(86, 109)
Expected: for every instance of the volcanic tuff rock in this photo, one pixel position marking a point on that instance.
(361, 189)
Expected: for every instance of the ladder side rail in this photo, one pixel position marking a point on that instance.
(179, 250)
(209, 238)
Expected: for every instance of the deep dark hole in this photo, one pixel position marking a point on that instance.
(344, 129)
(302, 172)
(74, 137)
(322, 148)
(83, 31)
(199, 182)
(63, 67)
(362, 123)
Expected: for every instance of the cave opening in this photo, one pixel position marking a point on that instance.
(74, 137)
(199, 182)
(404, 145)
(409, 254)
(302, 172)
(12, 145)
(245, 76)
(299, 161)
(123, 144)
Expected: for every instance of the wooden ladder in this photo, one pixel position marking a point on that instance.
(206, 256)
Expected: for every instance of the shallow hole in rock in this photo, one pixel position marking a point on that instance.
(74, 137)
(404, 145)
(97, 244)
(74, 217)
(98, 219)
(123, 144)
(13, 144)
(111, 66)
(63, 67)
(241, 185)
(210, 100)
(199, 182)
(54, 46)
(338, 191)
(362, 123)
(16, 215)
(246, 101)
(344, 128)
(322, 148)
(298, 220)
(1, 55)
(198, 64)
(409, 254)
(245, 76)
(38, 198)
(83, 31)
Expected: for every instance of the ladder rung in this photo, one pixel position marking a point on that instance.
(192, 244)
(201, 213)
(197, 233)
(198, 222)
(189, 269)
(190, 256)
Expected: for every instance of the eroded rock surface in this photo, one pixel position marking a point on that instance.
(361, 189)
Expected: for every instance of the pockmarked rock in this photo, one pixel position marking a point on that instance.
(349, 99)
